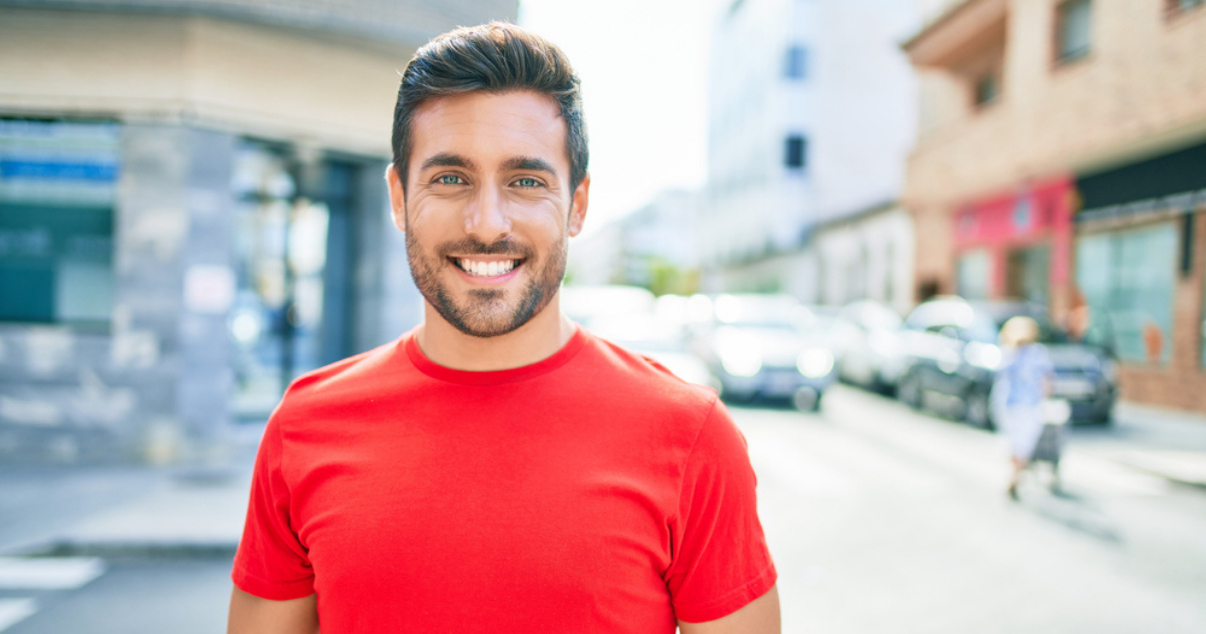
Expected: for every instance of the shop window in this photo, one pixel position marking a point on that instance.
(1027, 275)
(973, 273)
(1073, 30)
(1128, 278)
(294, 262)
(57, 185)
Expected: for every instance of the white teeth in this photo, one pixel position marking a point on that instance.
(486, 269)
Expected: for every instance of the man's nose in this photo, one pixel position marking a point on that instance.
(486, 218)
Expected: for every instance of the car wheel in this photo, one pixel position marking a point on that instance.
(976, 409)
(908, 390)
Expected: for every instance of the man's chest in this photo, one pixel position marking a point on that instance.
(494, 519)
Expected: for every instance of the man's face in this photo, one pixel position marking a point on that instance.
(488, 207)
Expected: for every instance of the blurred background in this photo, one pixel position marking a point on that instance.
(823, 209)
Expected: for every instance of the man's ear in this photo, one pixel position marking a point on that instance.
(578, 206)
(397, 197)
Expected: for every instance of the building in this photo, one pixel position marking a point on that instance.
(654, 247)
(866, 255)
(811, 118)
(192, 211)
(1062, 158)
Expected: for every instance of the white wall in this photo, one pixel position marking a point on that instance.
(868, 258)
(856, 106)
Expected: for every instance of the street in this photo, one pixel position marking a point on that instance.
(880, 520)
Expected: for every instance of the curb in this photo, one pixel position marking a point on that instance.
(1186, 482)
(123, 549)
(1149, 464)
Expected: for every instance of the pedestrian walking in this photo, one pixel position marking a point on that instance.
(1019, 390)
(499, 468)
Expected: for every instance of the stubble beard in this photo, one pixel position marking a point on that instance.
(486, 312)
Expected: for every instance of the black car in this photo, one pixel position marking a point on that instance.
(952, 357)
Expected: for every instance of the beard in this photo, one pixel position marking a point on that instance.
(486, 312)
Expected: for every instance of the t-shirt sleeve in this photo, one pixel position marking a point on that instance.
(720, 559)
(271, 561)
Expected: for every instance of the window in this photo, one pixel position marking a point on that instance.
(972, 274)
(795, 63)
(1073, 27)
(987, 89)
(57, 185)
(1128, 278)
(797, 152)
(1174, 7)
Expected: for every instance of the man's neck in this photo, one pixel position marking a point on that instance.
(534, 341)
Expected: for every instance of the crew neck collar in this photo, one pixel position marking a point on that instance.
(494, 377)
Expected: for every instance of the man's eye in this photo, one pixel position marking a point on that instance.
(527, 182)
(450, 179)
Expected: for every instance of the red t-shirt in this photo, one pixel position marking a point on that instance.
(592, 491)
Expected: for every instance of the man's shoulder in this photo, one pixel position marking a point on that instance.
(352, 379)
(642, 378)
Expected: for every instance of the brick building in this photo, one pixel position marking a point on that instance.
(192, 210)
(1062, 158)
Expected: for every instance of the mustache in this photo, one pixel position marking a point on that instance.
(473, 246)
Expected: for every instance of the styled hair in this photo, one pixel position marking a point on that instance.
(497, 57)
(1019, 331)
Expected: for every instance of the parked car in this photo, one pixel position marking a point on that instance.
(872, 356)
(663, 341)
(952, 358)
(769, 347)
(584, 304)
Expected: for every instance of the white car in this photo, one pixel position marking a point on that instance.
(768, 347)
(873, 355)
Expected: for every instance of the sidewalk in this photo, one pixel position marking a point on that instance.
(200, 511)
(142, 511)
(1163, 442)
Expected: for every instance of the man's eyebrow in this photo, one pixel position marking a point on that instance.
(444, 159)
(529, 163)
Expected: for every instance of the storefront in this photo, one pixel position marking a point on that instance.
(1016, 245)
(159, 283)
(1139, 269)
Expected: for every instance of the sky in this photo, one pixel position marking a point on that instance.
(643, 65)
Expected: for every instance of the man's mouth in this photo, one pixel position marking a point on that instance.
(485, 268)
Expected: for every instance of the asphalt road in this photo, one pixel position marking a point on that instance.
(885, 520)
(880, 520)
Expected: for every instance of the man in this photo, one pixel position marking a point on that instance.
(498, 469)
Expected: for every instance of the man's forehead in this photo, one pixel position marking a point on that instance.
(488, 125)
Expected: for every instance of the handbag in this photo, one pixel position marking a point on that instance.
(1056, 411)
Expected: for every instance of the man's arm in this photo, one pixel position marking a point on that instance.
(250, 614)
(760, 616)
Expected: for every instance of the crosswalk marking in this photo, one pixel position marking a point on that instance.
(58, 573)
(12, 611)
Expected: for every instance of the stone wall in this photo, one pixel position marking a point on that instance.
(157, 382)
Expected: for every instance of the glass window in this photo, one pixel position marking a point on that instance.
(1073, 26)
(57, 187)
(293, 265)
(1177, 6)
(973, 273)
(1127, 278)
(1028, 273)
(797, 152)
(795, 63)
(987, 89)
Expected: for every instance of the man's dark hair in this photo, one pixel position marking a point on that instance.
(495, 57)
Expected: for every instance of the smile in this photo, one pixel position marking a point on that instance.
(483, 268)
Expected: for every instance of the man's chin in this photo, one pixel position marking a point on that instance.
(483, 315)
